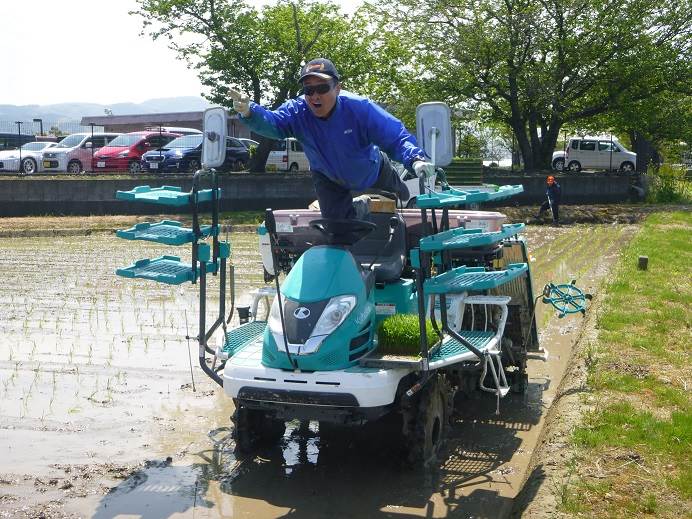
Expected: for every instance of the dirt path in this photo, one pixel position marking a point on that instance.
(98, 417)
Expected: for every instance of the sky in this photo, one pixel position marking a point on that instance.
(55, 52)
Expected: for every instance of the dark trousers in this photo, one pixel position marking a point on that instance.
(336, 201)
(555, 206)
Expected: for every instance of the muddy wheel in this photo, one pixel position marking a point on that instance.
(252, 428)
(426, 430)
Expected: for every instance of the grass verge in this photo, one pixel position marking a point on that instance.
(634, 446)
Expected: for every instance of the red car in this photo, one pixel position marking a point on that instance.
(125, 151)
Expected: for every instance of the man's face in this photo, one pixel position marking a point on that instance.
(321, 104)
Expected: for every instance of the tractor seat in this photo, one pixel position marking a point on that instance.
(389, 260)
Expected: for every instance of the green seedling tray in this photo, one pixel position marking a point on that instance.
(466, 279)
(168, 232)
(164, 195)
(455, 197)
(165, 269)
(461, 238)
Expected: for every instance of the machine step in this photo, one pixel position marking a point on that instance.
(169, 232)
(164, 195)
(460, 238)
(165, 269)
(449, 352)
(240, 337)
(466, 279)
(456, 197)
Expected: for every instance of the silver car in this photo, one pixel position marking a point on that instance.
(73, 154)
(26, 160)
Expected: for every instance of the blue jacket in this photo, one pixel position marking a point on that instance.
(345, 146)
(554, 192)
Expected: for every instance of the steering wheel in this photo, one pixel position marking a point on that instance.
(343, 232)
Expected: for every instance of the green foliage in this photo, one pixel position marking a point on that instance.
(400, 334)
(471, 146)
(535, 66)
(668, 184)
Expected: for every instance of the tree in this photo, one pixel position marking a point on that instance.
(233, 45)
(536, 65)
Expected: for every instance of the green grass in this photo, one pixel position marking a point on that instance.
(400, 335)
(638, 377)
(242, 217)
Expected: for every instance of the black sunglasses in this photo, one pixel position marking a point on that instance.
(322, 88)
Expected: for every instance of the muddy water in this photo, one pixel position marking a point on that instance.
(98, 417)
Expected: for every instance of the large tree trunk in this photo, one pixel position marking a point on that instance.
(259, 160)
(645, 150)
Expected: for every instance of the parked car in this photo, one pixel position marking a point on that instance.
(287, 155)
(124, 153)
(174, 129)
(73, 154)
(12, 141)
(594, 153)
(185, 154)
(26, 160)
(248, 142)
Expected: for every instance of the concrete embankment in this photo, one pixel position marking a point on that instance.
(242, 191)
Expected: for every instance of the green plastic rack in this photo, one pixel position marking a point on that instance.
(464, 279)
(456, 197)
(165, 269)
(168, 232)
(461, 238)
(164, 195)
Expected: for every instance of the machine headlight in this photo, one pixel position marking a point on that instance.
(124, 153)
(334, 314)
(274, 321)
(336, 311)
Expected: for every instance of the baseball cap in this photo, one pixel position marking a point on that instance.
(320, 67)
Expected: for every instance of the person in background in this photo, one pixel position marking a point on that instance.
(554, 194)
(348, 139)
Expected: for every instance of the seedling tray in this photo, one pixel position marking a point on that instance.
(455, 239)
(165, 269)
(465, 279)
(164, 195)
(168, 232)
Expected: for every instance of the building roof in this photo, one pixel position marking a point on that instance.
(159, 118)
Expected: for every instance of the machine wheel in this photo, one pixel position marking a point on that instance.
(252, 427)
(193, 165)
(426, 429)
(574, 166)
(134, 167)
(411, 204)
(74, 167)
(293, 168)
(626, 167)
(559, 164)
(28, 167)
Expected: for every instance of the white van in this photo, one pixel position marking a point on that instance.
(594, 153)
(74, 153)
(287, 155)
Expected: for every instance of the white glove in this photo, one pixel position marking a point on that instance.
(241, 102)
(423, 169)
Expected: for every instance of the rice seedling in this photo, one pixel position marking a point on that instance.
(400, 335)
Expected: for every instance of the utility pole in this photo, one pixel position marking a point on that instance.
(19, 141)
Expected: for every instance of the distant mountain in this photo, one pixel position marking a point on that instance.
(59, 114)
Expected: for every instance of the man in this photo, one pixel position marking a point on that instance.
(347, 139)
(554, 194)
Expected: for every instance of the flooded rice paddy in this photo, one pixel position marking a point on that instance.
(98, 417)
